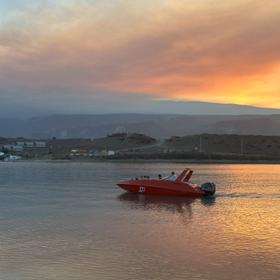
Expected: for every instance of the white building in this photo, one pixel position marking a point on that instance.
(13, 148)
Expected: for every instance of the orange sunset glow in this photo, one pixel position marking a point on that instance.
(214, 51)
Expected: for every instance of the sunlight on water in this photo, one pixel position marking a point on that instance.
(70, 221)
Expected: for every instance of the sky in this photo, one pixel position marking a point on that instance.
(94, 56)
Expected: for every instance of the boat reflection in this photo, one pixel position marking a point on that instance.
(176, 205)
(179, 205)
(155, 202)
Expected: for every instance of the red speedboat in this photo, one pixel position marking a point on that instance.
(179, 187)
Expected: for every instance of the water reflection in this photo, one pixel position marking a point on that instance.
(180, 205)
(158, 203)
(66, 221)
(208, 200)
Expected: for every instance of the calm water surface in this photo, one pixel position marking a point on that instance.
(70, 221)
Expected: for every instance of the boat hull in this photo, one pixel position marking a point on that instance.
(161, 187)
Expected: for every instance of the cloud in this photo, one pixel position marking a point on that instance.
(171, 49)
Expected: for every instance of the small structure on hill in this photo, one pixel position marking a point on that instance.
(79, 153)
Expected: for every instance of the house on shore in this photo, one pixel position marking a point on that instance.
(27, 149)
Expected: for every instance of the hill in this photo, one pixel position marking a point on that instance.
(155, 125)
(140, 146)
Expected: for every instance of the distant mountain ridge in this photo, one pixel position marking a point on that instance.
(169, 118)
(142, 106)
(208, 108)
(155, 125)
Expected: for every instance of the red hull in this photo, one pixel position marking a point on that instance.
(161, 187)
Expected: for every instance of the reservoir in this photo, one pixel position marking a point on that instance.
(69, 220)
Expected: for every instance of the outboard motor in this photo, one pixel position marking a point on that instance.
(208, 188)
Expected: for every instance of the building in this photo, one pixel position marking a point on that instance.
(102, 153)
(40, 144)
(27, 149)
(77, 153)
(13, 148)
(31, 144)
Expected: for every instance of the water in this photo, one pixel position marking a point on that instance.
(70, 221)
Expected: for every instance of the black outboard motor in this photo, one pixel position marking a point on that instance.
(208, 188)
